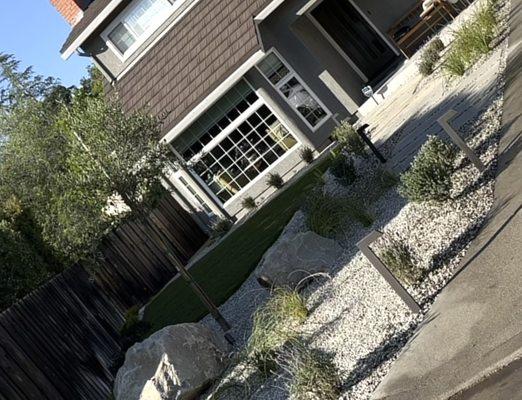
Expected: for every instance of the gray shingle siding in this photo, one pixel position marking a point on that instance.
(193, 58)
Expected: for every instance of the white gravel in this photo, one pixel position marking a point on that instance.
(354, 314)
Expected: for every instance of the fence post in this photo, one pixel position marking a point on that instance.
(364, 246)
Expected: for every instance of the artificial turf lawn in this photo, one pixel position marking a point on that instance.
(223, 270)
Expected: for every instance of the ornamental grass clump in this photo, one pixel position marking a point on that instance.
(429, 177)
(307, 155)
(346, 135)
(274, 324)
(472, 40)
(327, 216)
(399, 259)
(249, 203)
(221, 227)
(275, 180)
(313, 375)
(343, 170)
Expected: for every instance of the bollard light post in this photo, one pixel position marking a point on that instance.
(444, 122)
(364, 246)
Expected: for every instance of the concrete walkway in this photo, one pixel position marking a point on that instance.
(471, 340)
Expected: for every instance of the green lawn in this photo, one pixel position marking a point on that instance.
(222, 271)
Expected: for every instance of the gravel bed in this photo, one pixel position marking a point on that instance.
(354, 315)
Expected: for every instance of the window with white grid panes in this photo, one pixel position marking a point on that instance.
(292, 89)
(234, 142)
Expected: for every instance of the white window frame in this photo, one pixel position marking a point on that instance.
(229, 129)
(175, 4)
(295, 75)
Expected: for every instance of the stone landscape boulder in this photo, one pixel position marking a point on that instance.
(175, 363)
(294, 257)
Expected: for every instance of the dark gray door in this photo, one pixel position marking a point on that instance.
(357, 39)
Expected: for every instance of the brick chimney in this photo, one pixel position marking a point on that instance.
(71, 10)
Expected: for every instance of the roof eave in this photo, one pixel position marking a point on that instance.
(88, 31)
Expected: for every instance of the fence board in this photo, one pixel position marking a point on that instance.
(58, 343)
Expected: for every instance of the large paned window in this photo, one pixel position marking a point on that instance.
(137, 22)
(234, 142)
(292, 89)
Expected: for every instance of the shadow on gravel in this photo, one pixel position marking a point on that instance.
(367, 365)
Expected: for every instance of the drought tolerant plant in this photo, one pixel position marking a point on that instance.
(436, 44)
(313, 375)
(455, 64)
(399, 259)
(327, 216)
(343, 170)
(249, 203)
(346, 135)
(430, 56)
(472, 40)
(274, 324)
(307, 155)
(429, 177)
(221, 227)
(275, 180)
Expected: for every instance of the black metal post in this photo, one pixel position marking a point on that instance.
(361, 132)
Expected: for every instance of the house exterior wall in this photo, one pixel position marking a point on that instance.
(381, 14)
(313, 57)
(114, 66)
(191, 58)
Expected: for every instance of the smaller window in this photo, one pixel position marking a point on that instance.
(137, 22)
(292, 89)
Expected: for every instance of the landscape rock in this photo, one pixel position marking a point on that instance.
(176, 363)
(293, 258)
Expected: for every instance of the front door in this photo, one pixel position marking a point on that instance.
(354, 36)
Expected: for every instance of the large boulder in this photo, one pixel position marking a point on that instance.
(175, 363)
(295, 257)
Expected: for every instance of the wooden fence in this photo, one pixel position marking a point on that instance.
(60, 341)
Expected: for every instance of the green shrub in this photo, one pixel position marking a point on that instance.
(22, 269)
(274, 324)
(249, 203)
(429, 177)
(313, 374)
(430, 56)
(472, 40)
(221, 227)
(346, 135)
(134, 330)
(399, 259)
(275, 180)
(343, 170)
(307, 155)
(436, 44)
(327, 216)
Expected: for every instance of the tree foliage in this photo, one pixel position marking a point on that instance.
(67, 158)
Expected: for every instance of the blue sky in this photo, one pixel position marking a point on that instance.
(34, 31)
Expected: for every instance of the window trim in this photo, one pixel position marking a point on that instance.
(248, 112)
(294, 74)
(144, 37)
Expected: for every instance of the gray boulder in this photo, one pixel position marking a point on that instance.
(294, 257)
(175, 363)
